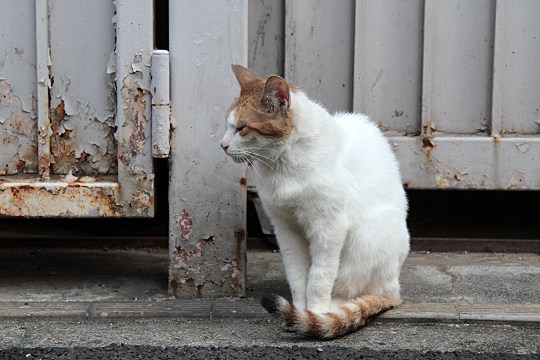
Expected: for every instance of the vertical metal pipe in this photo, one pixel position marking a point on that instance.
(427, 68)
(496, 97)
(43, 84)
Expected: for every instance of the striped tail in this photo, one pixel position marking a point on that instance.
(348, 318)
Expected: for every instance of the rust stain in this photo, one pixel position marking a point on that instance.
(71, 149)
(185, 222)
(60, 111)
(185, 255)
(447, 176)
(18, 133)
(427, 139)
(59, 200)
(141, 200)
(427, 143)
(135, 119)
(174, 286)
(197, 249)
(21, 166)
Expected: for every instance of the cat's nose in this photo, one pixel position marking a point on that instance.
(224, 147)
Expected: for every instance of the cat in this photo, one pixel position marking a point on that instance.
(332, 189)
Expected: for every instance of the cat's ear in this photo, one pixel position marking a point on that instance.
(276, 95)
(243, 75)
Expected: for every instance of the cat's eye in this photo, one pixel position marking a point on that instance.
(240, 127)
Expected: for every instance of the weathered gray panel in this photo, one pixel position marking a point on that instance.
(470, 162)
(319, 48)
(388, 63)
(82, 103)
(520, 90)
(266, 27)
(457, 65)
(207, 195)
(18, 131)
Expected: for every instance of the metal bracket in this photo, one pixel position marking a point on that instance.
(161, 104)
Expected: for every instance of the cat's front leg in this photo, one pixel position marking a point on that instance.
(295, 256)
(326, 237)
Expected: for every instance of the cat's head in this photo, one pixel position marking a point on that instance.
(260, 120)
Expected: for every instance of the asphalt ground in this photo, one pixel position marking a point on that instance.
(230, 338)
(255, 352)
(113, 304)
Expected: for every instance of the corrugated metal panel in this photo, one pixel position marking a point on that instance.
(388, 63)
(454, 83)
(266, 27)
(319, 50)
(458, 48)
(519, 66)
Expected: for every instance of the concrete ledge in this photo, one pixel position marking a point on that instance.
(515, 314)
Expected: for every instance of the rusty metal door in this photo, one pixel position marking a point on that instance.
(75, 108)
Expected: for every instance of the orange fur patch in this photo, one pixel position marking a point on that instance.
(338, 325)
(290, 315)
(314, 324)
(250, 112)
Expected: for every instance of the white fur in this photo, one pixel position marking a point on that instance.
(334, 195)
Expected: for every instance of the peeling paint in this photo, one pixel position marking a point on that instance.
(523, 147)
(82, 138)
(135, 112)
(447, 176)
(517, 180)
(193, 277)
(134, 148)
(183, 254)
(18, 134)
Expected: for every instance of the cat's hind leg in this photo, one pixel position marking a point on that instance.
(389, 239)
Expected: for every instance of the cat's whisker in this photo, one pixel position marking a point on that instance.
(259, 156)
(257, 171)
(246, 166)
(262, 160)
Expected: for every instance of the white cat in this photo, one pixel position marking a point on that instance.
(332, 189)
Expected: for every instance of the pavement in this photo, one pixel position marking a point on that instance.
(70, 303)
